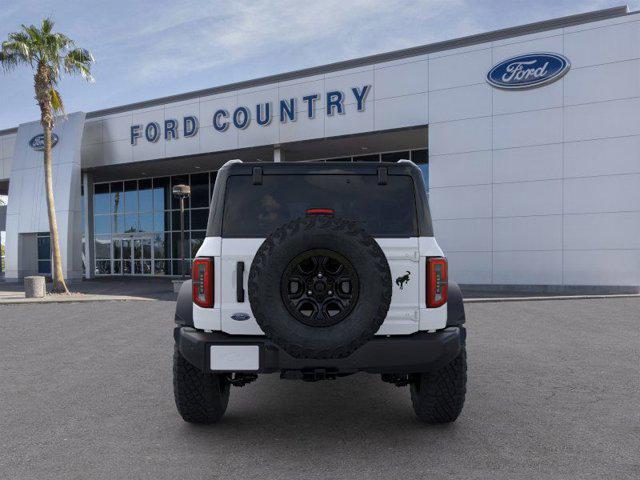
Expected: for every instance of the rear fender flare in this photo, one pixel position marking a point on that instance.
(455, 306)
(184, 306)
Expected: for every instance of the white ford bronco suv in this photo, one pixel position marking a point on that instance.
(318, 271)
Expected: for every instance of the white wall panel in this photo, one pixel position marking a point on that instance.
(509, 101)
(299, 89)
(464, 235)
(460, 136)
(601, 120)
(469, 267)
(255, 135)
(457, 169)
(527, 198)
(460, 103)
(599, 83)
(543, 232)
(603, 45)
(8, 146)
(460, 202)
(352, 121)
(459, 70)
(602, 231)
(117, 128)
(602, 157)
(402, 79)
(612, 193)
(540, 162)
(527, 268)
(303, 128)
(602, 267)
(550, 41)
(213, 140)
(527, 128)
(398, 112)
(345, 82)
(211, 105)
(92, 132)
(117, 152)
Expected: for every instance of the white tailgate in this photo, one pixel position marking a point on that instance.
(407, 313)
(236, 250)
(403, 256)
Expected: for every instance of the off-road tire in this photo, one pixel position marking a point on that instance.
(438, 397)
(200, 397)
(344, 237)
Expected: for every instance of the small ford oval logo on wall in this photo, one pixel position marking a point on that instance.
(528, 71)
(37, 142)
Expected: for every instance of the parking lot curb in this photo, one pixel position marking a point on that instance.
(72, 299)
(547, 298)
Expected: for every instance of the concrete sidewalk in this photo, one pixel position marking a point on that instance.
(95, 290)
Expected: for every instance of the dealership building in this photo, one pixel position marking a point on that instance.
(528, 139)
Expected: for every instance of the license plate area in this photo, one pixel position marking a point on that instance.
(234, 358)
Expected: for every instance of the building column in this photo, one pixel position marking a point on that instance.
(87, 207)
(278, 154)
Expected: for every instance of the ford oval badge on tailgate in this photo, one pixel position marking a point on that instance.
(240, 317)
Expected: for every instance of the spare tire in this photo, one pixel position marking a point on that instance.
(320, 287)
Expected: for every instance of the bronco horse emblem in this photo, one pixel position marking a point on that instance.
(400, 281)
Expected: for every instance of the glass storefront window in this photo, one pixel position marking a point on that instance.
(200, 190)
(102, 225)
(131, 196)
(101, 198)
(131, 223)
(103, 247)
(117, 191)
(199, 218)
(145, 195)
(44, 253)
(160, 221)
(161, 194)
(145, 222)
(117, 223)
(175, 220)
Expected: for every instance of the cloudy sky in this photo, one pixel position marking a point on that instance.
(147, 49)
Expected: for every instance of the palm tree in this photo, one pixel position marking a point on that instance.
(47, 53)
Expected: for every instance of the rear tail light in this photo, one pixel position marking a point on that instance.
(202, 282)
(437, 282)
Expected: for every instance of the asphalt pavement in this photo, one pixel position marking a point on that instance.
(554, 390)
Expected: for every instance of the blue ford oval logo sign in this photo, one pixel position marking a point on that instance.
(37, 142)
(528, 71)
(240, 317)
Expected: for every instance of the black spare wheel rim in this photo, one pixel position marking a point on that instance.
(319, 287)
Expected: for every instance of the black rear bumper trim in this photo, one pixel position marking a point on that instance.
(419, 352)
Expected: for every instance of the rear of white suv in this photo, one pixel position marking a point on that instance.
(319, 271)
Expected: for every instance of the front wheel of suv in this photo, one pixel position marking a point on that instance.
(438, 397)
(200, 397)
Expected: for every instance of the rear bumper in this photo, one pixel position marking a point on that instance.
(420, 352)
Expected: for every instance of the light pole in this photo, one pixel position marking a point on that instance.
(181, 192)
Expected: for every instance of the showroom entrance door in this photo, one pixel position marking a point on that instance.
(133, 254)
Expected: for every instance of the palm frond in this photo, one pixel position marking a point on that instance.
(47, 25)
(56, 101)
(79, 60)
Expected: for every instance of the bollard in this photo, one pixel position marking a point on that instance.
(34, 287)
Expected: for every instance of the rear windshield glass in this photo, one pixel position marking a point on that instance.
(382, 210)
